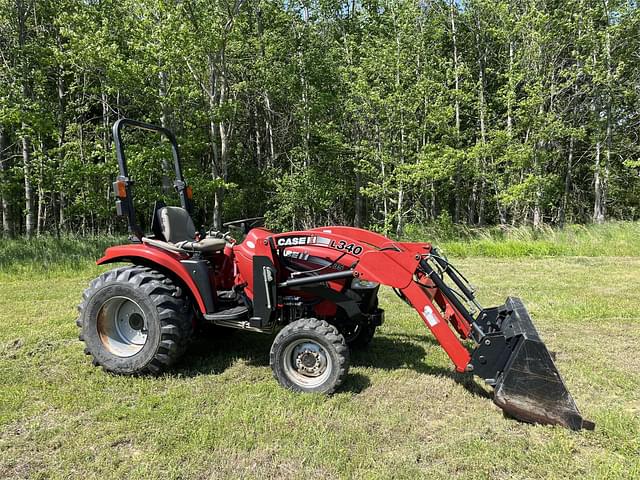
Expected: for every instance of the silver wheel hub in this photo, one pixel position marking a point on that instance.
(307, 363)
(312, 363)
(122, 326)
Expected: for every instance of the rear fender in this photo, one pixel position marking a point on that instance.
(141, 254)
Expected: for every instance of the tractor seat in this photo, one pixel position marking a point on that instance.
(179, 232)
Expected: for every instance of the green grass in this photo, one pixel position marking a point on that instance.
(48, 253)
(613, 238)
(51, 256)
(403, 412)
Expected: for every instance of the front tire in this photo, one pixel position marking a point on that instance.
(310, 355)
(134, 320)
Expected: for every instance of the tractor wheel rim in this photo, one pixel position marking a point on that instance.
(307, 363)
(122, 326)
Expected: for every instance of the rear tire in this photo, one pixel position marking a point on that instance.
(310, 355)
(134, 320)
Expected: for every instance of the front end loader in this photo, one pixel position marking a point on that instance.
(316, 289)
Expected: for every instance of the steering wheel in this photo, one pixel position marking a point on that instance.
(245, 224)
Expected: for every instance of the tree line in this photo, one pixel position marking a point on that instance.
(370, 113)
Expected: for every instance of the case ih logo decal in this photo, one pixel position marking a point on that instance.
(340, 245)
(295, 241)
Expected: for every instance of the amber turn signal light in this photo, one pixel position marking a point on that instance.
(120, 187)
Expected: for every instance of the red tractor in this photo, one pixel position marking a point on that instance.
(318, 289)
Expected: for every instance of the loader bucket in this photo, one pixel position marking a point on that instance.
(529, 386)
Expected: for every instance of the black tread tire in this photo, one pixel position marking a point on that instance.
(320, 332)
(165, 306)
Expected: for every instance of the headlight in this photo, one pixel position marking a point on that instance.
(358, 284)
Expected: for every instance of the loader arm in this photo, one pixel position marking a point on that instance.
(400, 269)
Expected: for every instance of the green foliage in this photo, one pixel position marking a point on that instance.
(303, 198)
(381, 114)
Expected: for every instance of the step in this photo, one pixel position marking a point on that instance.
(233, 314)
(238, 317)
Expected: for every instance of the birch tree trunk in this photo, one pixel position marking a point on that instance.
(456, 73)
(269, 128)
(224, 129)
(106, 123)
(511, 92)
(478, 191)
(601, 174)
(268, 114)
(28, 189)
(62, 130)
(22, 12)
(537, 169)
(564, 204)
(4, 204)
(385, 207)
(598, 187)
(165, 122)
(456, 77)
(41, 217)
(306, 134)
(213, 137)
(399, 212)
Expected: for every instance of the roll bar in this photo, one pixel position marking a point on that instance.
(124, 204)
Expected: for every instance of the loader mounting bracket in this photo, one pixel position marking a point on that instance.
(495, 345)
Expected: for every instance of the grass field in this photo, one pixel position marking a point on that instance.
(403, 413)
